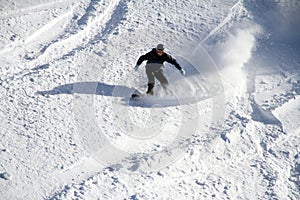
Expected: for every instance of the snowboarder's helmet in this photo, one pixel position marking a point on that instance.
(160, 47)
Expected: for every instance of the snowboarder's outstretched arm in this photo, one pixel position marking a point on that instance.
(176, 64)
(173, 61)
(144, 57)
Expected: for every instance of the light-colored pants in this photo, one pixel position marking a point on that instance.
(155, 71)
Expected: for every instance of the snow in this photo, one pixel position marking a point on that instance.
(229, 129)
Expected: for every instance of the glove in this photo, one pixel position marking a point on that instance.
(136, 67)
(182, 72)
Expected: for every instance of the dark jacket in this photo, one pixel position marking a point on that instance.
(152, 57)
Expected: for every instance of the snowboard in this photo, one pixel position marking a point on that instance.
(140, 99)
(137, 98)
(137, 95)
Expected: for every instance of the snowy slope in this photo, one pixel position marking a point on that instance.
(70, 131)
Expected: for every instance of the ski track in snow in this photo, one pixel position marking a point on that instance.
(77, 58)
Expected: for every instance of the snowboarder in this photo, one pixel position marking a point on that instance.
(155, 59)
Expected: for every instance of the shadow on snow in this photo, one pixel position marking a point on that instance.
(95, 88)
(98, 88)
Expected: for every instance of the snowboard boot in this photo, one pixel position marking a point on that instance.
(150, 89)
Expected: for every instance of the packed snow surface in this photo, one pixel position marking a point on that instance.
(228, 129)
